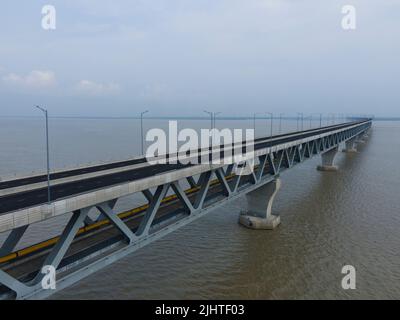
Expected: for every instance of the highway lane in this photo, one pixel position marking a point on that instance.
(39, 196)
(69, 173)
(114, 165)
(35, 197)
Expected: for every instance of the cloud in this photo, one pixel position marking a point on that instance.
(155, 91)
(35, 79)
(97, 89)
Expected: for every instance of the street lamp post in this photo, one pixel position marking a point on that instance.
(213, 116)
(280, 122)
(141, 129)
(328, 119)
(254, 122)
(46, 114)
(272, 121)
(302, 120)
(312, 118)
(215, 119)
(333, 118)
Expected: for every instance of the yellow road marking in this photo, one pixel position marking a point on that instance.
(83, 230)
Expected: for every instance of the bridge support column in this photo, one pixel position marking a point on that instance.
(362, 137)
(350, 146)
(259, 206)
(327, 160)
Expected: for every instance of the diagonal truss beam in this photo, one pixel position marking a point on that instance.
(12, 240)
(148, 218)
(222, 180)
(229, 169)
(182, 196)
(148, 195)
(204, 183)
(10, 282)
(58, 251)
(234, 184)
(192, 182)
(107, 208)
(263, 161)
(271, 164)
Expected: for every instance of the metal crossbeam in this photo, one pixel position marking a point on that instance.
(204, 183)
(147, 193)
(263, 161)
(10, 282)
(147, 220)
(12, 240)
(107, 209)
(59, 250)
(221, 178)
(182, 196)
(192, 182)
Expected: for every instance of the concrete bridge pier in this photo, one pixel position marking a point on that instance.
(362, 137)
(351, 145)
(328, 158)
(259, 206)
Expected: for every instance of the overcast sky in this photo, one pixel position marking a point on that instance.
(179, 57)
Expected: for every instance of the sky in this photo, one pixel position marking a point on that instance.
(180, 57)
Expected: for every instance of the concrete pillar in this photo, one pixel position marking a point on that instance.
(361, 138)
(259, 206)
(328, 159)
(350, 146)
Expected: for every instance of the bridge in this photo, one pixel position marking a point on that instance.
(176, 194)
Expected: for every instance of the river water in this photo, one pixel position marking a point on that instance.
(328, 220)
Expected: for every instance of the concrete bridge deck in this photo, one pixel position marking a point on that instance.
(34, 196)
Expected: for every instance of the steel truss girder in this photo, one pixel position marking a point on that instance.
(58, 251)
(148, 195)
(182, 197)
(271, 164)
(107, 208)
(192, 182)
(263, 161)
(222, 180)
(148, 218)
